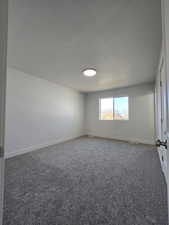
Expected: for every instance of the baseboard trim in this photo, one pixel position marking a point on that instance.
(132, 141)
(39, 146)
(58, 141)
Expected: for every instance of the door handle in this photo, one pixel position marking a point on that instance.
(161, 143)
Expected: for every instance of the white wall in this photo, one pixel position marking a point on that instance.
(40, 113)
(139, 128)
(3, 54)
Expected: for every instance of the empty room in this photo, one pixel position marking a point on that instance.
(84, 108)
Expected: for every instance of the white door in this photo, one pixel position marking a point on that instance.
(165, 26)
(161, 102)
(3, 52)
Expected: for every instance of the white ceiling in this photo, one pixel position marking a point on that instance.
(57, 39)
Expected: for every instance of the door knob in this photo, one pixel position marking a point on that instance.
(161, 143)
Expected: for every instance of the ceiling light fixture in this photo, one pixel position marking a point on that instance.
(89, 72)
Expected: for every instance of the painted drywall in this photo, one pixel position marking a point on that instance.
(121, 38)
(139, 127)
(3, 59)
(40, 113)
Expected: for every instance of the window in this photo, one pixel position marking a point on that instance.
(114, 108)
(121, 108)
(106, 107)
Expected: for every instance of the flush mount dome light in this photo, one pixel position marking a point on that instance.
(89, 72)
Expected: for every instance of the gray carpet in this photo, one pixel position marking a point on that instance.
(87, 181)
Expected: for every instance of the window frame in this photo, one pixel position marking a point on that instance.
(114, 108)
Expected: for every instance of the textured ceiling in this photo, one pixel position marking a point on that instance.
(57, 39)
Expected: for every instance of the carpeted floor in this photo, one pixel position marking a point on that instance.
(87, 181)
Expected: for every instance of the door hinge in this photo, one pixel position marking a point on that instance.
(1, 152)
(160, 83)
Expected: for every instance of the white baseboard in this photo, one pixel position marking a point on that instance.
(39, 146)
(131, 140)
(57, 141)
